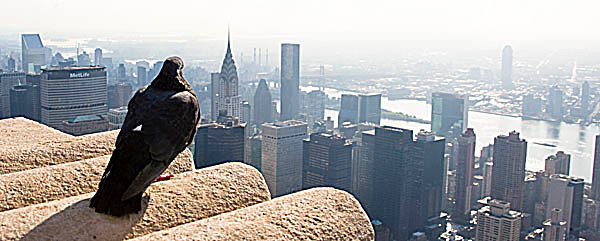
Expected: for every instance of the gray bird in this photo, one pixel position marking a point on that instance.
(161, 122)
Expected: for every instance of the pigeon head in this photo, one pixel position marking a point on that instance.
(170, 76)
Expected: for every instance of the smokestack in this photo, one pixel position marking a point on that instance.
(267, 58)
(254, 57)
(259, 57)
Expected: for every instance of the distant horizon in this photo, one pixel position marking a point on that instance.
(331, 27)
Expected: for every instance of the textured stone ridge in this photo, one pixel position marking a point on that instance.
(185, 198)
(21, 189)
(314, 214)
(20, 132)
(60, 150)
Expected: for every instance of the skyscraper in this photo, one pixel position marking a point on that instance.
(369, 108)
(555, 227)
(263, 111)
(508, 173)
(507, 59)
(225, 84)
(429, 149)
(596, 171)
(555, 102)
(348, 110)
(497, 222)
(566, 193)
(282, 156)
(69, 92)
(7, 81)
(142, 76)
(327, 162)
(98, 57)
(400, 180)
(121, 74)
(558, 164)
(33, 52)
(585, 97)
(449, 114)
(396, 180)
(290, 81)
(220, 142)
(464, 151)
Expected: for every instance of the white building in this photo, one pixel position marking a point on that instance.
(496, 222)
(116, 117)
(282, 156)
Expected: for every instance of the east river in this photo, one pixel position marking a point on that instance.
(573, 139)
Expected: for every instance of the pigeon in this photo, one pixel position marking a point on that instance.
(161, 122)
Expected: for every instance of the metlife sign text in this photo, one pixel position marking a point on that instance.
(79, 75)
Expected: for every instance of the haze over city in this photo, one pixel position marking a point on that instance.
(333, 120)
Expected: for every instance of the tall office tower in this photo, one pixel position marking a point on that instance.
(69, 92)
(532, 106)
(142, 76)
(315, 105)
(253, 155)
(119, 95)
(590, 214)
(496, 222)
(246, 112)
(7, 81)
(585, 97)
(225, 88)
(121, 73)
(327, 162)
(558, 164)
(219, 142)
(24, 101)
(507, 59)
(11, 65)
(290, 81)
(596, 171)
(263, 111)
(555, 103)
(464, 152)
(369, 108)
(508, 173)
(282, 156)
(430, 150)
(449, 114)
(19, 104)
(555, 228)
(390, 179)
(33, 52)
(98, 57)
(348, 110)
(566, 193)
(33, 96)
(215, 97)
(487, 179)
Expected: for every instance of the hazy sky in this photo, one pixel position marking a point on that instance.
(376, 24)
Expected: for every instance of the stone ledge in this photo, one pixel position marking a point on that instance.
(21, 132)
(21, 189)
(185, 198)
(314, 214)
(56, 151)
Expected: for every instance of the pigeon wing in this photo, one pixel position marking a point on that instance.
(168, 129)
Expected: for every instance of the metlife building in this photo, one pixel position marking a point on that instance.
(69, 92)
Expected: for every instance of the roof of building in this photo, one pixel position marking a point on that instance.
(32, 41)
(84, 118)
